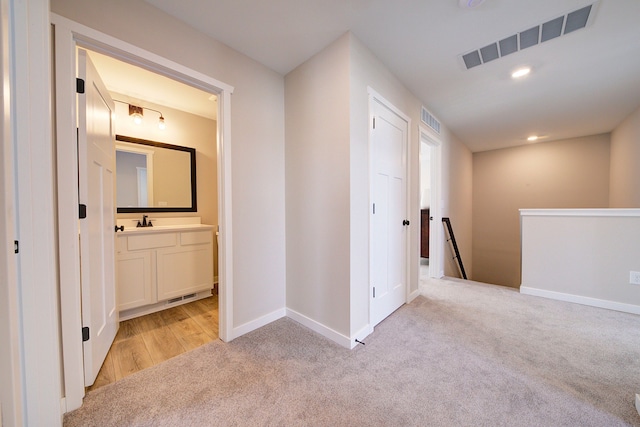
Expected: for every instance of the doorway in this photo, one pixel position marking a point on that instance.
(68, 36)
(149, 180)
(431, 261)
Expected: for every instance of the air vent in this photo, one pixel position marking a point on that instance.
(532, 36)
(429, 120)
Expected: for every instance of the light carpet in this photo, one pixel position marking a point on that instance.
(463, 354)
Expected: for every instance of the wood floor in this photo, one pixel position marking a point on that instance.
(149, 340)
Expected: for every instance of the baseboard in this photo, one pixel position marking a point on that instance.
(413, 295)
(578, 299)
(361, 334)
(638, 403)
(257, 323)
(323, 330)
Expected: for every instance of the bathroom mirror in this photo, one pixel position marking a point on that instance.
(154, 177)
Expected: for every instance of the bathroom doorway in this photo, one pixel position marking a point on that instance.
(68, 36)
(167, 112)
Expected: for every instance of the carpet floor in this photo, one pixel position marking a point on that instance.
(462, 354)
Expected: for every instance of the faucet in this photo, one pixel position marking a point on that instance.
(144, 223)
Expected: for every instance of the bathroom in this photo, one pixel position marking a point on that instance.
(151, 111)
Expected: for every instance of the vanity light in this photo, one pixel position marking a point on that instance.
(521, 72)
(136, 113)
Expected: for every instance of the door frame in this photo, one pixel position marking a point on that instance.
(376, 97)
(68, 36)
(436, 231)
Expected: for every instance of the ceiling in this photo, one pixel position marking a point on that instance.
(582, 83)
(141, 87)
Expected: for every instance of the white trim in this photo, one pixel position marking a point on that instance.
(37, 275)
(258, 323)
(593, 302)
(68, 34)
(638, 403)
(323, 330)
(11, 370)
(581, 212)
(413, 295)
(373, 97)
(436, 230)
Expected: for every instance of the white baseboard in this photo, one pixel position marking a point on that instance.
(578, 299)
(413, 295)
(638, 403)
(257, 323)
(323, 330)
(361, 334)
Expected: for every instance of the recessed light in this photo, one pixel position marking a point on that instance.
(470, 4)
(521, 72)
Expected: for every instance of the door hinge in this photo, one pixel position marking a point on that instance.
(85, 333)
(374, 122)
(82, 211)
(374, 208)
(79, 86)
(16, 246)
(374, 291)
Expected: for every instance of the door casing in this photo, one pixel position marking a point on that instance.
(68, 36)
(436, 231)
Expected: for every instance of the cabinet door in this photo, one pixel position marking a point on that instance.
(135, 279)
(184, 270)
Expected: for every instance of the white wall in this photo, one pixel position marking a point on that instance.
(624, 179)
(582, 255)
(257, 139)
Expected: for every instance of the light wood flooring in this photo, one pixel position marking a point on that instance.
(149, 340)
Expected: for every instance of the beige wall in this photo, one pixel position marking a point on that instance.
(571, 173)
(257, 141)
(317, 190)
(624, 190)
(582, 256)
(459, 207)
(327, 169)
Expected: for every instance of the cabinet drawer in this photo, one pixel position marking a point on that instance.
(195, 237)
(150, 241)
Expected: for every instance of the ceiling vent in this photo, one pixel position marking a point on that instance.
(429, 120)
(532, 36)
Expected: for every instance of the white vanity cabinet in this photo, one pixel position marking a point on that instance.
(155, 266)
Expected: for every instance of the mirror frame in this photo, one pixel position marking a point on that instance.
(192, 156)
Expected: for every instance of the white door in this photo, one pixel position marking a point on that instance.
(389, 223)
(96, 167)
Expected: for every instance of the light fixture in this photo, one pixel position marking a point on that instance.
(470, 4)
(532, 138)
(136, 113)
(521, 72)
